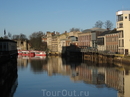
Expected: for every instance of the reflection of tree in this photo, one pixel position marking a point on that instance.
(37, 65)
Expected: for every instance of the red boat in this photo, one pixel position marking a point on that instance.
(39, 53)
(26, 53)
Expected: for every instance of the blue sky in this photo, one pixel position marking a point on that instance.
(28, 16)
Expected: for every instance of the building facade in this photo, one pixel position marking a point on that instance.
(88, 38)
(123, 22)
(112, 42)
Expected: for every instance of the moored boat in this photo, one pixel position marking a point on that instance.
(31, 53)
(39, 53)
(26, 53)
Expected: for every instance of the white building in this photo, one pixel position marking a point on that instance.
(123, 25)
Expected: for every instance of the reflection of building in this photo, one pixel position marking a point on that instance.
(114, 78)
(126, 85)
(22, 61)
(55, 66)
(99, 76)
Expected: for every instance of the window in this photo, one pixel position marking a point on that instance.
(119, 43)
(129, 17)
(120, 25)
(120, 18)
(121, 34)
(122, 42)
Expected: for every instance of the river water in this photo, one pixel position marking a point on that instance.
(59, 77)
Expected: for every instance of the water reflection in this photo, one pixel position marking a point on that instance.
(8, 78)
(98, 76)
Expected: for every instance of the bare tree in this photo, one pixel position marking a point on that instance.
(19, 37)
(99, 24)
(108, 24)
(74, 29)
(22, 37)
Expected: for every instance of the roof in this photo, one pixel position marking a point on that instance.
(104, 33)
(113, 32)
(109, 32)
(94, 29)
(7, 40)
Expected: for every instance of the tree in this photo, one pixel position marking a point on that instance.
(99, 24)
(74, 29)
(15, 37)
(35, 41)
(108, 24)
(20, 37)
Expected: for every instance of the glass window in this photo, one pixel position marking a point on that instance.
(120, 25)
(120, 18)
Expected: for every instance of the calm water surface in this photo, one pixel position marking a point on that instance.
(59, 77)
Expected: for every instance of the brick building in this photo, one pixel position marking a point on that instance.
(88, 37)
(112, 41)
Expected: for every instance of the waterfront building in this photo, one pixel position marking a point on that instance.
(62, 43)
(8, 48)
(53, 43)
(74, 33)
(101, 41)
(58, 43)
(112, 41)
(122, 25)
(108, 41)
(22, 45)
(88, 37)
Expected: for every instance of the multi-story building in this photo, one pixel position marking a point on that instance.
(108, 41)
(112, 41)
(123, 22)
(89, 37)
(53, 42)
(22, 45)
(57, 43)
(101, 41)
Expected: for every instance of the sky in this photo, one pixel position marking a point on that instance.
(28, 16)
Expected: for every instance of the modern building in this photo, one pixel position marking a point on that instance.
(101, 41)
(8, 48)
(88, 38)
(108, 41)
(123, 26)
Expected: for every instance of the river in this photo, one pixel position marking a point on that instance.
(60, 77)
